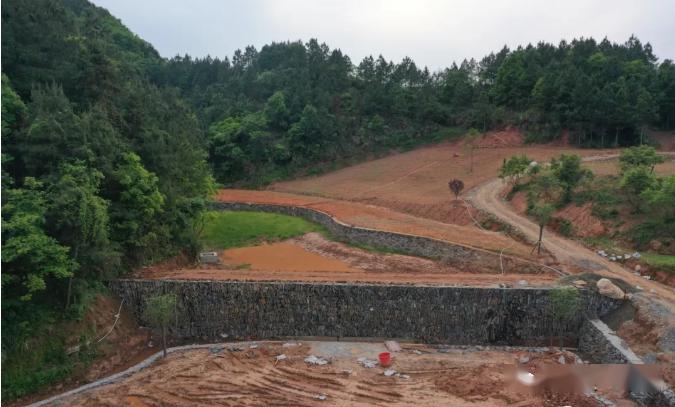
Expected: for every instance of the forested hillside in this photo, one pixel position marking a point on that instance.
(108, 148)
(290, 106)
(102, 171)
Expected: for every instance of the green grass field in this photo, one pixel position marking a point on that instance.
(227, 229)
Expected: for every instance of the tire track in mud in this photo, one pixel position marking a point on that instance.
(235, 379)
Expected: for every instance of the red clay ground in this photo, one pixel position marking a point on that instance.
(416, 182)
(313, 258)
(241, 375)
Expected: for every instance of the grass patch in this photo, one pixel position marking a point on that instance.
(660, 261)
(226, 229)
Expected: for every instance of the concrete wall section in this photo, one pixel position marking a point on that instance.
(454, 254)
(456, 315)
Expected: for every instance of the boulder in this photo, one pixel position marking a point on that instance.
(609, 289)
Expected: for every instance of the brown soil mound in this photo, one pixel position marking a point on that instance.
(456, 212)
(510, 137)
(583, 222)
(666, 139)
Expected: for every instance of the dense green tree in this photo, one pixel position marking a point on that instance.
(78, 217)
(136, 209)
(30, 257)
(661, 197)
(641, 156)
(276, 111)
(159, 311)
(568, 171)
(635, 181)
(306, 136)
(55, 132)
(14, 115)
(666, 86)
(514, 168)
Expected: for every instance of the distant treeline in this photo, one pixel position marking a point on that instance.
(293, 105)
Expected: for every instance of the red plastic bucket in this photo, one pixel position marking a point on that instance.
(385, 359)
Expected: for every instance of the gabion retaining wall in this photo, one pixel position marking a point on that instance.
(599, 344)
(454, 254)
(454, 315)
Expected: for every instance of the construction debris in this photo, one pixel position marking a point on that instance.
(389, 372)
(392, 346)
(526, 378)
(367, 363)
(314, 360)
(291, 344)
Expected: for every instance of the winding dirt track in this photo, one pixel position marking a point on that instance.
(487, 197)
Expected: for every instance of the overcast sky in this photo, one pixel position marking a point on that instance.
(432, 32)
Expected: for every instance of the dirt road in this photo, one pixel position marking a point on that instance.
(487, 197)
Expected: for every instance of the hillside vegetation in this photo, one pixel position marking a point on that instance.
(296, 106)
(635, 208)
(102, 171)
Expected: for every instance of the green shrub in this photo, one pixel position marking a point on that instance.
(565, 228)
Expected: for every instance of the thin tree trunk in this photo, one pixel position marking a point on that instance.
(70, 279)
(164, 339)
(642, 132)
(69, 292)
(541, 233)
